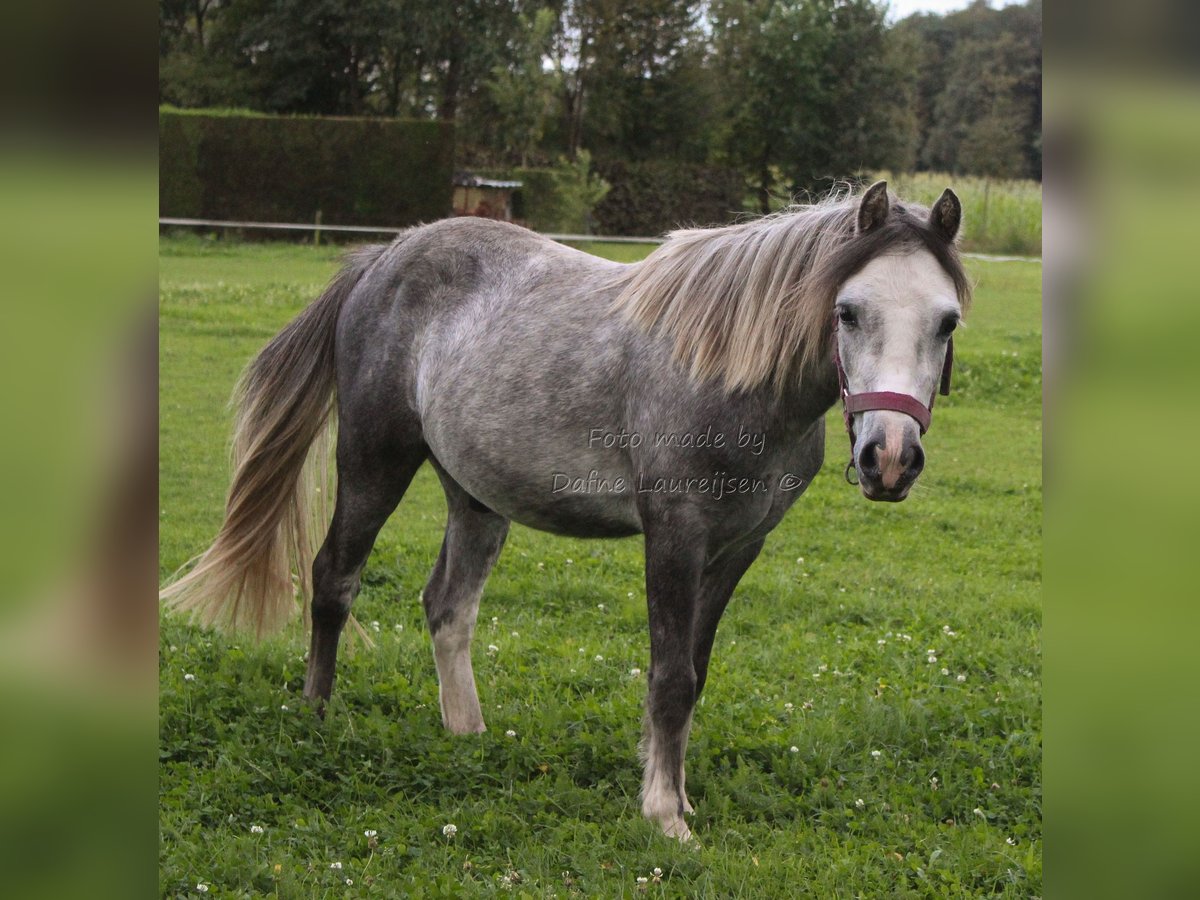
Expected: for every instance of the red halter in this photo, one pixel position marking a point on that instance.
(905, 403)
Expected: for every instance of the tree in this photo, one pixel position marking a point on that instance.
(625, 67)
(523, 93)
(813, 88)
(978, 88)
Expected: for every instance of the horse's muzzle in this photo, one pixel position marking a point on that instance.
(887, 469)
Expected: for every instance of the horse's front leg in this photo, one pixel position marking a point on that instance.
(674, 562)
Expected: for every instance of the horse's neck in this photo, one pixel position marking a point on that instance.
(816, 391)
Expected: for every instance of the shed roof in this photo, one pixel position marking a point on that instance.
(470, 179)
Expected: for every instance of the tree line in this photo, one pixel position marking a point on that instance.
(792, 93)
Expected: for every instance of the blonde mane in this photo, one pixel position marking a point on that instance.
(752, 303)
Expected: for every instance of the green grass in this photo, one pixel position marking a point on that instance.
(823, 649)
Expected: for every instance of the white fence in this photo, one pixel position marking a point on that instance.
(563, 238)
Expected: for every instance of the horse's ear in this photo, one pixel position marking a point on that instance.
(873, 208)
(946, 216)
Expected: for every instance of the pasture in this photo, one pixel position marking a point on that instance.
(871, 725)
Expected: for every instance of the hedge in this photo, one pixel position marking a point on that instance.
(650, 198)
(255, 167)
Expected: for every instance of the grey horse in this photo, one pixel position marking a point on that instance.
(681, 398)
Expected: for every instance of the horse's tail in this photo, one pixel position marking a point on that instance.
(281, 441)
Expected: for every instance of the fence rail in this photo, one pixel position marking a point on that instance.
(370, 229)
(563, 238)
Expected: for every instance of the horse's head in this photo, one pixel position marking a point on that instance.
(894, 317)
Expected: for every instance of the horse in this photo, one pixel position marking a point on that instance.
(681, 398)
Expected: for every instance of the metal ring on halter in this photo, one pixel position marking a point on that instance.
(850, 469)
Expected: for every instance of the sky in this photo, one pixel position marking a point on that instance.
(901, 8)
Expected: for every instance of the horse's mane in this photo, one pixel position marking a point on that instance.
(752, 303)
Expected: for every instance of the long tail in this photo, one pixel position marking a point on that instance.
(281, 442)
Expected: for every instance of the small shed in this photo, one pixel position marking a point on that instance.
(490, 198)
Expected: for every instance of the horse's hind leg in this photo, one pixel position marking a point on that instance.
(369, 488)
(474, 538)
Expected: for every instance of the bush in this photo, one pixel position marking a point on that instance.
(649, 198)
(561, 198)
(233, 165)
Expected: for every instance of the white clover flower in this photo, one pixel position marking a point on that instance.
(399, 627)
(599, 658)
(1012, 842)
(516, 634)
(370, 832)
(932, 659)
(495, 620)
(881, 642)
(349, 881)
(875, 754)
(541, 565)
(859, 804)
(657, 873)
(202, 888)
(492, 648)
(256, 829)
(570, 561)
(823, 667)
(979, 812)
(450, 830)
(600, 606)
(634, 673)
(945, 671)
(188, 676)
(375, 626)
(642, 879)
(510, 733)
(788, 706)
(960, 678)
(284, 707)
(794, 749)
(173, 648)
(630, 594)
(808, 704)
(335, 865)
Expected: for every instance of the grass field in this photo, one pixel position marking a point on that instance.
(871, 728)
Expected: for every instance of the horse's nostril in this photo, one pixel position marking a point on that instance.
(868, 460)
(913, 459)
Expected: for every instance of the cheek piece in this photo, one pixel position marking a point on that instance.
(871, 400)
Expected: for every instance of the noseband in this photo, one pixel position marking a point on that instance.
(891, 400)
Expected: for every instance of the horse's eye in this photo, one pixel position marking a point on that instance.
(847, 317)
(949, 323)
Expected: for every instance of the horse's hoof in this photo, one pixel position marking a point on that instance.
(677, 828)
(317, 704)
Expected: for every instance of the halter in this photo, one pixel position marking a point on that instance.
(890, 400)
